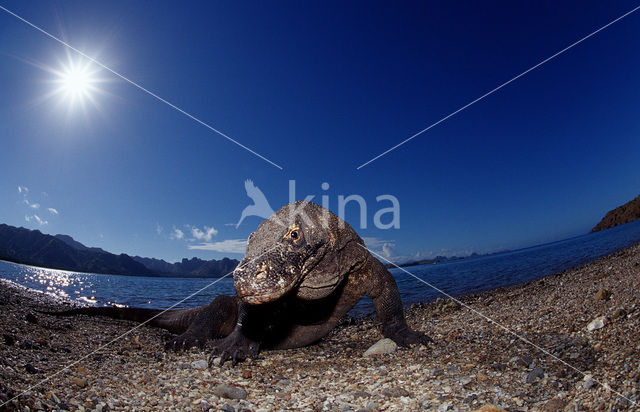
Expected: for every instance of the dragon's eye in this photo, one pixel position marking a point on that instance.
(294, 234)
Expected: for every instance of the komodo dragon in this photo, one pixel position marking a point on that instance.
(303, 270)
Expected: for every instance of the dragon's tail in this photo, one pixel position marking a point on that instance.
(134, 314)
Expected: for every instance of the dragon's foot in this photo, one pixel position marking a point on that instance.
(236, 347)
(185, 341)
(406, 336)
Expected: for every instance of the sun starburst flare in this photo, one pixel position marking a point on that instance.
(75, 83)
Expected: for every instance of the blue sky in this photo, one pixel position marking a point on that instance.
(320, 88)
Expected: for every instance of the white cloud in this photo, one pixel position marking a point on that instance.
(177, 234)
(203, 235)
(225, 246)
(375, 242)
(28, 217)
(40, 221)
(158, 228)
(387, 250)
(37, 218)
(382, 247)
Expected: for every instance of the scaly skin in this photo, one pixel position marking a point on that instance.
(303, 270)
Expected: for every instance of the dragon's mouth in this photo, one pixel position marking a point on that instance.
(264, 297)
(265, 281)
(261, 291)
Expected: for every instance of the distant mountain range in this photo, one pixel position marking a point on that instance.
(626, 213)
(33, 247)
(437, 259)
(192, 267)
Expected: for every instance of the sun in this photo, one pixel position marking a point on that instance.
(76, 82)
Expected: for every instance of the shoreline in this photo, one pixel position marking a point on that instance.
(162, 275)
(473, 363)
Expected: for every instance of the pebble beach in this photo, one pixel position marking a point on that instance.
(566, 342)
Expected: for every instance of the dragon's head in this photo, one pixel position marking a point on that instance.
(302, 249)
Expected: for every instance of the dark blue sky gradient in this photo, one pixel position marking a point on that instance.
(320, 88)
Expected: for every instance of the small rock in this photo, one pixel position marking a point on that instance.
(205, 406)
(396, 392)
(79, 382)
(588, 382)
(246, 374)
(31, 318)
(597, 323)
(498, 366)
(619, 313)
(30, 368)
(489, 408)
(228, 408)
(471, 398)
(230, 392)
(27, 344)
(445, 406)
(361, 394)
(481, 377)
(524, 361)
(201, 364)
(535, 374)
(9, 339)
(602, 294)
(437, 372)
(554, 405)
(465, 381)
(385, 345)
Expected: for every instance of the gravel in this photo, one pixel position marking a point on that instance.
(473, 364)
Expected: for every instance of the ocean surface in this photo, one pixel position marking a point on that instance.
(456, 278)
